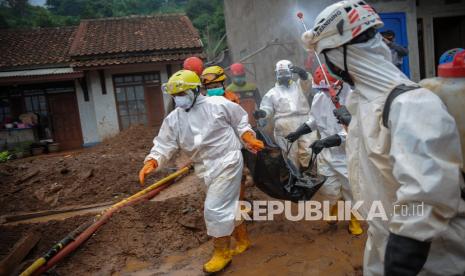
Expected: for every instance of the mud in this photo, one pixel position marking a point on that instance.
(107, 172)
(168, 237)
(165, 236)
(143, 233)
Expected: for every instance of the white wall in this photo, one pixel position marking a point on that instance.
(87, 116)
(99, 117)
(104, 107)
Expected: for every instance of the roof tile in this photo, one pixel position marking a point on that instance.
(35, 47)
(135, 34)
(100, 42)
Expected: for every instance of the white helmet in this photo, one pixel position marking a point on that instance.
(340, 23)
(283, 72)
(283, 65)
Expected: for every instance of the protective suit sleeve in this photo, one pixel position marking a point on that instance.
(238, 118)
(305, 85)
(311, 123)
(426, 154)
(267, 104)
(343, 135)
(165, 143)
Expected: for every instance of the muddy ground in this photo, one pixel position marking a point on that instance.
(168, 237)
(104, 173)
(162, 237)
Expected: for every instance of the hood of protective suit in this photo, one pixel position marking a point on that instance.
(370, 66)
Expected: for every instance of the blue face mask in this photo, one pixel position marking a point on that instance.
(219, 91)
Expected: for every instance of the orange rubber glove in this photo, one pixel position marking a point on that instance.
(149, 167)
(252, 143)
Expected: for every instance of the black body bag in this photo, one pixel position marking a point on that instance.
(277, 177)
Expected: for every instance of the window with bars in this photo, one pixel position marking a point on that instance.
(5, 111)
(130, 97)
(36, 104)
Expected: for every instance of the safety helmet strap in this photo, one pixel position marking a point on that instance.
(344, 74)
(196, 94)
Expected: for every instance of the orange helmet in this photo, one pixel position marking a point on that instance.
(319, 80)
(237, 69)
(193, 64)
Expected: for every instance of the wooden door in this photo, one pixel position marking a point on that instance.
(65, 120)
(154, 104)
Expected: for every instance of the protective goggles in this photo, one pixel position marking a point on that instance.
(175, 87)
(211, 77)
(283, 73)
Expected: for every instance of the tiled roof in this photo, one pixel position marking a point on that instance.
(101, 42)
(176, 57)
(35, 47)
(135, 34)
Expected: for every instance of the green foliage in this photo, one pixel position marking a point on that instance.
(206, 15)
(31, 16)
(4, 156)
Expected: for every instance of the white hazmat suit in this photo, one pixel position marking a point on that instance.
(289, 107)
(416, 161)
(209, 133)
(332, 161)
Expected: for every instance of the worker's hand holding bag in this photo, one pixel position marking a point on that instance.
(149, 166)
(253, 144)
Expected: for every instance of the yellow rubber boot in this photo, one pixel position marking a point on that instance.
(355, 228)
(242, 239)
(222, 255)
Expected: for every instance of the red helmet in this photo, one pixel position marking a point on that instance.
(319, 79)
(237, 69)
(193, 64)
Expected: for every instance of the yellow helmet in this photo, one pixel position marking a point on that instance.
(181, 81)
(213, 74)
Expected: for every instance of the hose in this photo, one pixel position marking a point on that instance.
(71, 242)
(56, 248)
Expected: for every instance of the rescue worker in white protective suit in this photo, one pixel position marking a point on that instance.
(287, 103)
(411, 160)
(332, 161)
(208, 130)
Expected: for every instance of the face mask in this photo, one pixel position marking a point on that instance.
(285, 81)
(186, 101)
(218, 91)
(336, 71)
(284, 77)
(239, 80)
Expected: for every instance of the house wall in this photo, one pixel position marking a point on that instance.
(104, 107)
(251, 24)
(99, 117)
(87, 116)
(140, 69)
(428, 10)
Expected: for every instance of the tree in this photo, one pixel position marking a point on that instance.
(208, 17)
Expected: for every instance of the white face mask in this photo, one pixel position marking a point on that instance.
(186, 101)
